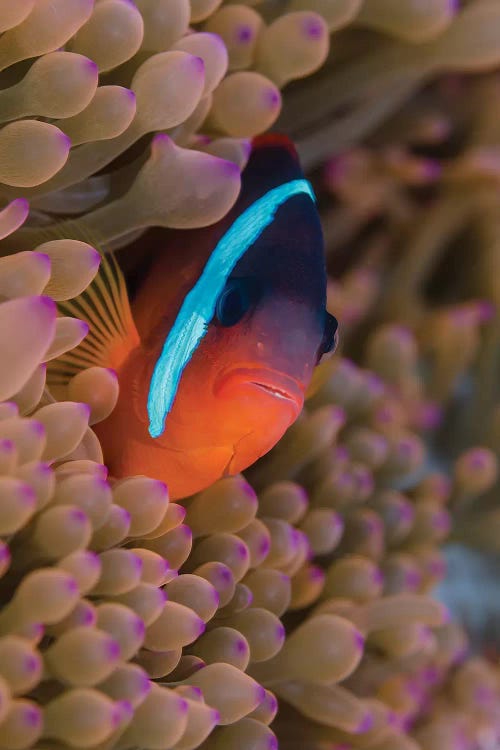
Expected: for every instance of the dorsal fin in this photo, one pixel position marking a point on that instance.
(105, 307)
(268, 140)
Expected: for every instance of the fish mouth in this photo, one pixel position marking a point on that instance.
(273, 383)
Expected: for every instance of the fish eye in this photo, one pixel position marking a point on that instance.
(234, 301)
(330, 337)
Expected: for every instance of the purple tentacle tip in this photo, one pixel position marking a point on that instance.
(316, 573)
(359, 640)
(228, 168)
(433, 169)
(478, 459)
(92, 558)
(100, 482)
(313, 28)
(272, 98)
(413, 578)
(126, 709)
(32, 716)
(139, 628)
(91, 65)
(246, 145)
(483, 694)
(431, 675)
(43, 258)
(441, 521)
(242, 550)
(248, 490)
(432, 416)
(264, 546)
(85, 409)
(244, 34)
(72, 586)
(365, 724)
(446, 617)
(137, 563)
(22, 203)
(38, 429)
(405, 448)
(392, 719)
(487, 311)
(378, 577)
(116, 716)
(145, 684)
(342, 453)
(406, 512)
(159, 142)
(37, 630)
(31, 663)
(437, 568)
(88, 617)
(241, 646)
(66, 140)
(198, 64)
(112, 650)
(45, 302)
(78, 515)
(295, 538)
(28, 496)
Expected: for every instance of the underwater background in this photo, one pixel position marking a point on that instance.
(343, 593)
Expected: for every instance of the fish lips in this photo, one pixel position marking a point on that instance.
(265, 381)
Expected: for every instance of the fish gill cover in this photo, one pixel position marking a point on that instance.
(300, 596)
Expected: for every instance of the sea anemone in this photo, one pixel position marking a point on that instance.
(302, 594)
(61, 127)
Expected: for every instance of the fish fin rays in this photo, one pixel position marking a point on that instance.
(105, 307)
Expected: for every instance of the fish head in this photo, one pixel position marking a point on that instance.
(245, 381)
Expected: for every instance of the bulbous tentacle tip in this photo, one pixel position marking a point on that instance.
(314, 28)
(91, 66)
(44, 303)
(161, 142)
(198, 64)
(272, 98)
(21, 204)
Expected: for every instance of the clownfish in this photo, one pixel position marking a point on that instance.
(216, 350)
